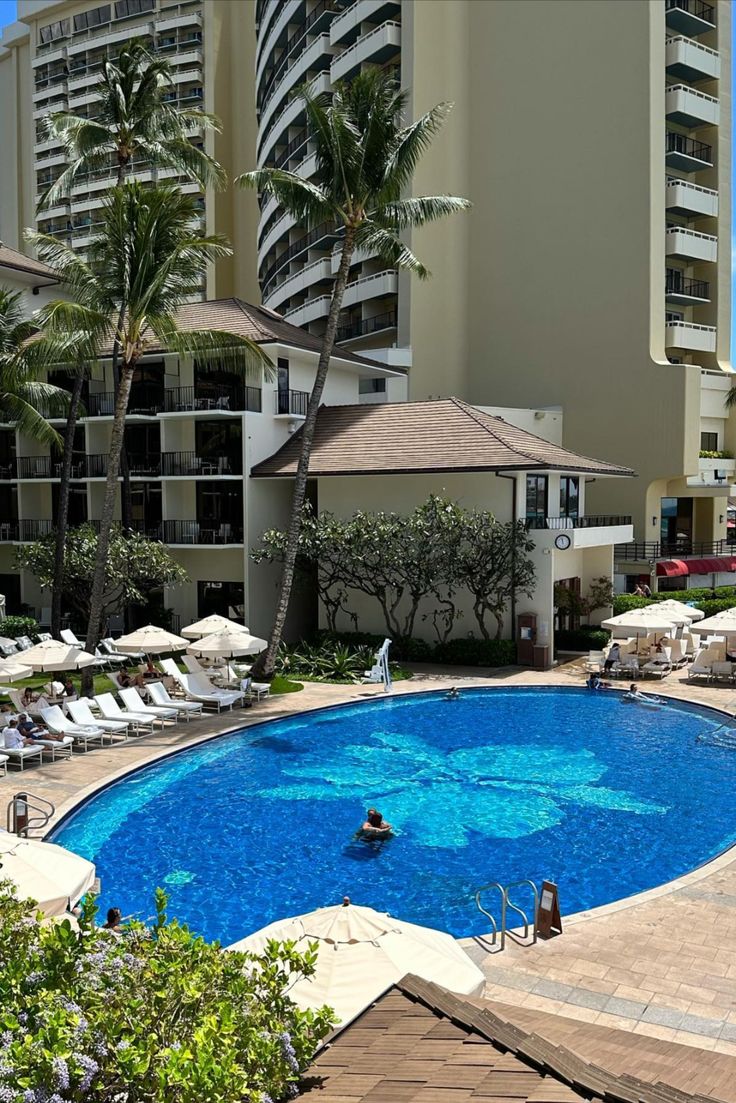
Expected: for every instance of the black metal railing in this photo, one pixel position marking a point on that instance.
(367, 325)
(33, 530)
(677, 284)
(205, 397)
(589, 522)
(291, 402)
(689, 147)
(203, 532)
(38, 467)
(325, 230)
(190, 463)
(9, 531)
(641, 550)
(101, 404)
(698, 8)
(296, 143)
(151, 529)
(286, 58)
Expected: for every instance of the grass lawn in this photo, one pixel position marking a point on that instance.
(103, 683)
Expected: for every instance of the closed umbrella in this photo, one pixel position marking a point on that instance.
(213, 623)
(151, 639)
(11, 671)
(227, 645)
(362, 952)
(45, 872)
(55, 655)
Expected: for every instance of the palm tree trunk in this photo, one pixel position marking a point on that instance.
(62, 519)
(106, 520)
(265, 665)
(126, 496)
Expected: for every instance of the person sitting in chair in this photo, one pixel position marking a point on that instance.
(126, 680)
(30, 730)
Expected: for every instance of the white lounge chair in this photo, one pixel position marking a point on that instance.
(259, 690)
(23, 643)
(18, 756)
(33, 710)
(629, 668)
(205, 692)
(160, 696)
(4, 764)
(202, 684)
(84, 734)
(108, 644)
(81, 713)
(55, 748)
(722, 672)
(133, 701)
(700, 667)
(111, 710)
(594, 662)
(193, 665)
(69, 637)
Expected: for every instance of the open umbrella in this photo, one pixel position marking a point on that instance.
(361, 952)
(151, 639)
(55, 655)
(213, 623)
(11, 671)
(723, 624)
(640, 622)
(44, 872)
(227, 645)
(669, 605)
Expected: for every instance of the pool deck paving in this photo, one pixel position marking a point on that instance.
(661, 965)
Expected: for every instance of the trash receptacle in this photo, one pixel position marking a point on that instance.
(541, 656)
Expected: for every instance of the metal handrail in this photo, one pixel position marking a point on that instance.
(508, 906)
(11, 817)
(487, 914)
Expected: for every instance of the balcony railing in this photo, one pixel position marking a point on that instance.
(296, 143)
(677, 284)
(33, 530)
(291, 402)
(189, 463)
(286, 58)
(150, 529)
(213, 398)
(590, 522)
(698, 8)
(38, 467)
(319, 232)
(202, 532)
(689, 147)
(140, 465)
(367, 325)
(642, 551)
(9, 468)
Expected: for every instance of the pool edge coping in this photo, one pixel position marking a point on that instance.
(66, 810)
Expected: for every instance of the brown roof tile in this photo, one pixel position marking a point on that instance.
(410, 437)
(441, 1075)
(19, 262)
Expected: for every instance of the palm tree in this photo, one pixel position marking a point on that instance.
(130, 119)
(146, 263)
(22, 359)
(366, 159)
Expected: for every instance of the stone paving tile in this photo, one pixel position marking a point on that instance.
(631, 1009)
(583, 997)
(663, 1016)
(696, 1024)
(728, 1033)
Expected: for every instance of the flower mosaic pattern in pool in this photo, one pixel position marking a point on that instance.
(605, 798)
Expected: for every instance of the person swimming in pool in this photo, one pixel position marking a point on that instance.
(375, 827)
(452, 694)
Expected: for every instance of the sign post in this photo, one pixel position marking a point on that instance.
(549, 921)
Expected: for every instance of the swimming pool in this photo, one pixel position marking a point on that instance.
(604, 798)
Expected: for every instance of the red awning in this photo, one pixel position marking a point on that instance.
(671, 568)
(674, 568)
(711, 566)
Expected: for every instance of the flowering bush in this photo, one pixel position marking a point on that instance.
(154, 1014)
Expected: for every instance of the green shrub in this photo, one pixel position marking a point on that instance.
(12, 627)
(581, 639)
(625, 602)
(710, 608)
(158, 1015)
(469, 651)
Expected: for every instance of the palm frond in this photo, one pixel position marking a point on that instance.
(411, 143)
(390, 248)
(26, 418)
(216, 348)
(403, 214)
(306, 201)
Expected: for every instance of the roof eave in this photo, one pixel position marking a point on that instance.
(464, 470)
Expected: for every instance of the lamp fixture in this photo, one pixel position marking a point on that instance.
(720, 519)
(654, 521)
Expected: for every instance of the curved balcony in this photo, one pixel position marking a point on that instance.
(377, 46)
(317, 55)
(368, 287)
(324, 233)
(278, 230)
(317, 19)
(300, 282)
(269, 36)
(365, 327)
(292, 113)
(346, 26)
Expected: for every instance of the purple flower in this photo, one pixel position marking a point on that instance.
(90, 1067)
(61, 1073)
(7, 1095)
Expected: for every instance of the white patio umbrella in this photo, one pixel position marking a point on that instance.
(213, 623)
(227, 645)
(151, 639)
(44, 872)
(362, 952)
(11, 671)
(670, 605)
(722, 624)
(640, 622)
(55, 655)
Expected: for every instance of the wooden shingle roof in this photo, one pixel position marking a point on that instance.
(433, 436)
(420, 1043)
(19, 262)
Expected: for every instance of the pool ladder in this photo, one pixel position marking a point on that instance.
(498, 937)
(27, 812)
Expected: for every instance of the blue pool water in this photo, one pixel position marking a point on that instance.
(602, 797)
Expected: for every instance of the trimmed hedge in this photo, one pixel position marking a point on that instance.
(585, 638)
(724, 597)
(12, 627)
(464, 651)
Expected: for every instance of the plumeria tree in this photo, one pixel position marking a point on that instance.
(366, 157)
(148, 260)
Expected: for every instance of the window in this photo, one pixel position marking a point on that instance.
(709, 442)
(132, 7)
(536, 497)
(282, 386)
(569, 495)
(52, 31)
(674, 316)
(371, 386)
(94, 18)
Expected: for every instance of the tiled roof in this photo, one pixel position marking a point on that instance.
(410, 437)
(11, 258)
(259, 324)
(420, 1043)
